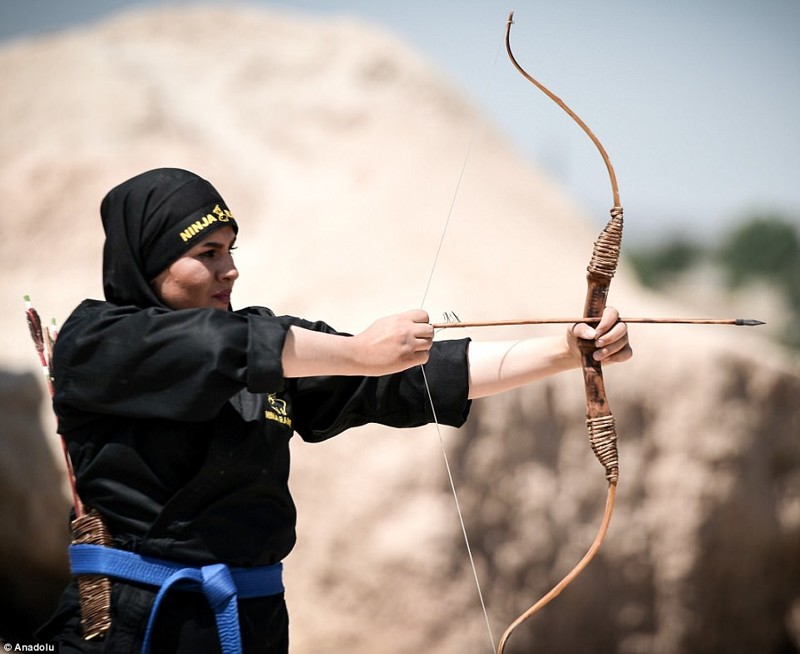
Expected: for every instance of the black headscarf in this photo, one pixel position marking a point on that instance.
(150, 221)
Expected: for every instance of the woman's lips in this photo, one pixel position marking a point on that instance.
(223, 296)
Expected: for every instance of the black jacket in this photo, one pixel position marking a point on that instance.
(178, 423)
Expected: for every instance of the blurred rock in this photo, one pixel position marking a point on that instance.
(33, 561)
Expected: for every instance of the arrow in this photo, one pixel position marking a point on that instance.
(739, 322)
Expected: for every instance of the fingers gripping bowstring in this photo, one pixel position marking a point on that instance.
(450, 479)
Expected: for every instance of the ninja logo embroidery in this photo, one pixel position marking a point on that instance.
(218, 214)
(277, 411)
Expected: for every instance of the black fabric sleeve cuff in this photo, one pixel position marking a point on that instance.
(447, 373)
(265, 339)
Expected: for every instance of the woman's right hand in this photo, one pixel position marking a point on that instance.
(388, 345)
(395, 343)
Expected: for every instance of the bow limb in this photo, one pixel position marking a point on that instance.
(599, 419)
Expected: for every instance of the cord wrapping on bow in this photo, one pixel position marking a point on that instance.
(603, 440)
(607, 248)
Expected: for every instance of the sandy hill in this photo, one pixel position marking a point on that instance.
(338, 149)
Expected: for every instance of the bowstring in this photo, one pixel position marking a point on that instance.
(442, 446)
(460, 513)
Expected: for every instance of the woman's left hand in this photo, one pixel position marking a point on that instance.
(610, 337)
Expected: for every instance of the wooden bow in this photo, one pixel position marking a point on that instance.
(599, 419)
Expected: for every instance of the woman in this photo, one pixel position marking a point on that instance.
(178, 411)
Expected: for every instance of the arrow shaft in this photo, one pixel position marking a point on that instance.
(555, 321)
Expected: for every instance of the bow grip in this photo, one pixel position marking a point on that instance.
(599, 419)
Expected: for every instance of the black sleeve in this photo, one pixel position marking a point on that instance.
(158, 363)
(326, 406)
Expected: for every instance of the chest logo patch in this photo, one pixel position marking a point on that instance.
(277, 411)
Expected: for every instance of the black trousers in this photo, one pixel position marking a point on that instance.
(184, 625)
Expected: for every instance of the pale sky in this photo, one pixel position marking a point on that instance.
(696, 101)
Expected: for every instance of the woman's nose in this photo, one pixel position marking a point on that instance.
(229, 270)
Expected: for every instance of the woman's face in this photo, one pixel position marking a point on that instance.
(203, 277)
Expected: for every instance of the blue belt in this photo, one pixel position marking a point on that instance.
(221, 585)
